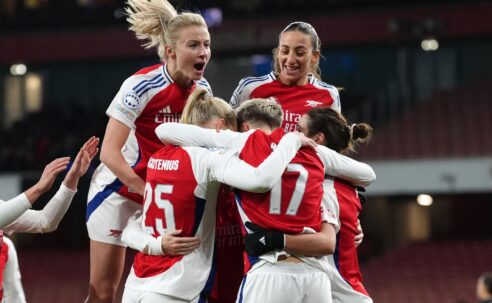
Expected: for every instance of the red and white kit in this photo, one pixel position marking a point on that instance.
(11, 287)
(295, 100)
(275, 210)
(347, 283)
(181, 193)
(145, 100)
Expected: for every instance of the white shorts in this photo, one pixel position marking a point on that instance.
(108, 213)
(285, 282)
(139, 296)
(342, 292)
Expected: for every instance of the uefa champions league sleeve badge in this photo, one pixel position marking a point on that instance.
(131, 100)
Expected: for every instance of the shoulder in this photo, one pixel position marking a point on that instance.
(331, 89)
(204, 83)
(323, 85)
(145, 80)
(249, 83)
(142, 86)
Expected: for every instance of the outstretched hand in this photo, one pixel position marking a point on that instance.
(174, 245)
(81, 162)
(50, 172)
(47, 178)
(84, 157)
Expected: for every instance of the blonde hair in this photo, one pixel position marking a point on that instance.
(158, 23)
(260, 110)
(201, 107)
(309, 30)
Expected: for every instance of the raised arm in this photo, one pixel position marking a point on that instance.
(14, 208)
(343, 167)
(47, 219)
(192, 135)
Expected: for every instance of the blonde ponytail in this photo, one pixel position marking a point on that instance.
(201, 107)
(157, 22)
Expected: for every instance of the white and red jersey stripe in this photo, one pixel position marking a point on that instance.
(295, 100)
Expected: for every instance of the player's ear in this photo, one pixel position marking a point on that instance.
(315, 57)
(245, 127)
(320, 138)
(220, 125)
(170, 52)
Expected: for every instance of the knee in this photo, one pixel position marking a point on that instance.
(101, 293)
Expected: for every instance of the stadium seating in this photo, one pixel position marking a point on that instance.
(428, 272)
(58, 276)
(450, 124)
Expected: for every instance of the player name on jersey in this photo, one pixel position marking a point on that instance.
(160, 164)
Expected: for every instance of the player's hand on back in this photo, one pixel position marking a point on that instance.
(305, 141)
(261, 241)
(174, 245)
(360, 235)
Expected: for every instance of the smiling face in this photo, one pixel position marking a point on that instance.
(295, 56)
(189, 57)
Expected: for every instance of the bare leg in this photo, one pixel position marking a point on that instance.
(107, 264)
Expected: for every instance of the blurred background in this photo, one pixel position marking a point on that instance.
(419, 71)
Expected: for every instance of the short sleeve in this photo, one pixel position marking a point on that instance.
(240, 94)
(126, 106)
(330, 210)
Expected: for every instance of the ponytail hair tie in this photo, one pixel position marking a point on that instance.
(351, 131)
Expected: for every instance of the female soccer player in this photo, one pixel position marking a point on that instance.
(45, 220)
(330, 129)
(152, 96)
(295, 80)
(300, 210)
(181, 194)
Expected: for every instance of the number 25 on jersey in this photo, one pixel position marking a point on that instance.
(164, 207)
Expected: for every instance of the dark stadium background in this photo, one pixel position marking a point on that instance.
(419, 71)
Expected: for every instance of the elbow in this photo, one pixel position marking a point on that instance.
(160, 132)
(327, 249)
(369, 178)
(48, 228)
(330, 247)
(104, 156)
(265, 184)
(372, 177)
